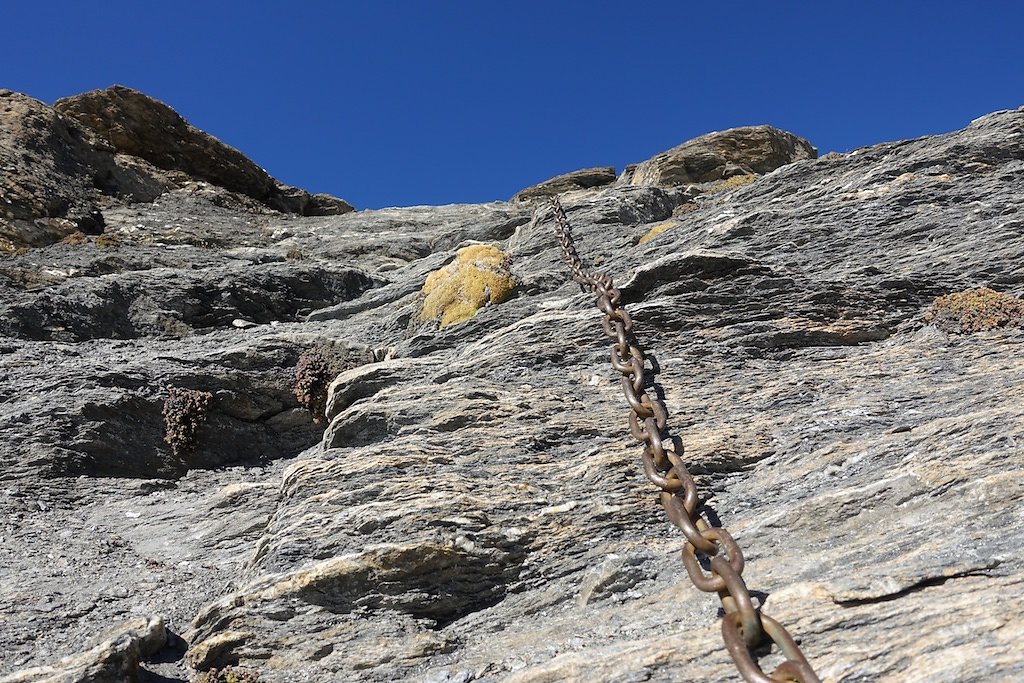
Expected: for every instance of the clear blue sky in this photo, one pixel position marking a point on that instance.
(416, 102)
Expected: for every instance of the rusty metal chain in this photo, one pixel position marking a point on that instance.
(744, 627)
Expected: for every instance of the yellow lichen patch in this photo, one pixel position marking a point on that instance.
(107, 241)
(731, 183)
(975, 310)
(655, 231)
(9, 247)
(75, 238)
(478, 276)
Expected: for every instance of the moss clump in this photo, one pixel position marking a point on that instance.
(731, 183)
(102, 240)
(105, 241)
(975, 310)
(685, 207)
(75, 238)
(478, 276)
(184, 411)
(9, 247)
(655, 231)
(315, 370)
(228, 675)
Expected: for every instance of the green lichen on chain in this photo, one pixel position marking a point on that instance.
(315, 370)
(479, 276)
(975, 310)
(184, 411)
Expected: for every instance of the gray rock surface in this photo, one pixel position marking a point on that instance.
(473, 508)
(115, 658)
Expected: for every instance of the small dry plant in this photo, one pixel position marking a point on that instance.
(184, 411)
(730, 183)
(975, 310)
(315, 370)
(227, 675)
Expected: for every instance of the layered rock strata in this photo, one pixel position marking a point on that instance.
(472, 507)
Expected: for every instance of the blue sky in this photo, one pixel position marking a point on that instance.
(400, 103)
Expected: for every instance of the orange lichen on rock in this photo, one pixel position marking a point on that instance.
(975, 310)
(479, 276)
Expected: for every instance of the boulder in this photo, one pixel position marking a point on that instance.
(584, 179)
(114, 659)
(746, 150)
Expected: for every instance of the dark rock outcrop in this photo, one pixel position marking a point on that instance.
(172, 303)
(472, 507)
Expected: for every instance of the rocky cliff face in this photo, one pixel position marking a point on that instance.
(466, 502)
(64, 166)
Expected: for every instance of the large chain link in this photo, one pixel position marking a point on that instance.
(744, 627)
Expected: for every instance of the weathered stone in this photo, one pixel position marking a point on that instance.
(475, 509)
(626, 177)
(169, 302)
(294, 200)
(114, 660)
(136, 124)
(132, 123)
(52, 177)
(64, 166)
(218, 651)
(737, 151)
(46, 163)
(584, 179)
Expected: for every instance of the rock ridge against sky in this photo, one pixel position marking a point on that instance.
(465, 502)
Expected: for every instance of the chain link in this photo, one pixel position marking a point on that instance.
(744, 627)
